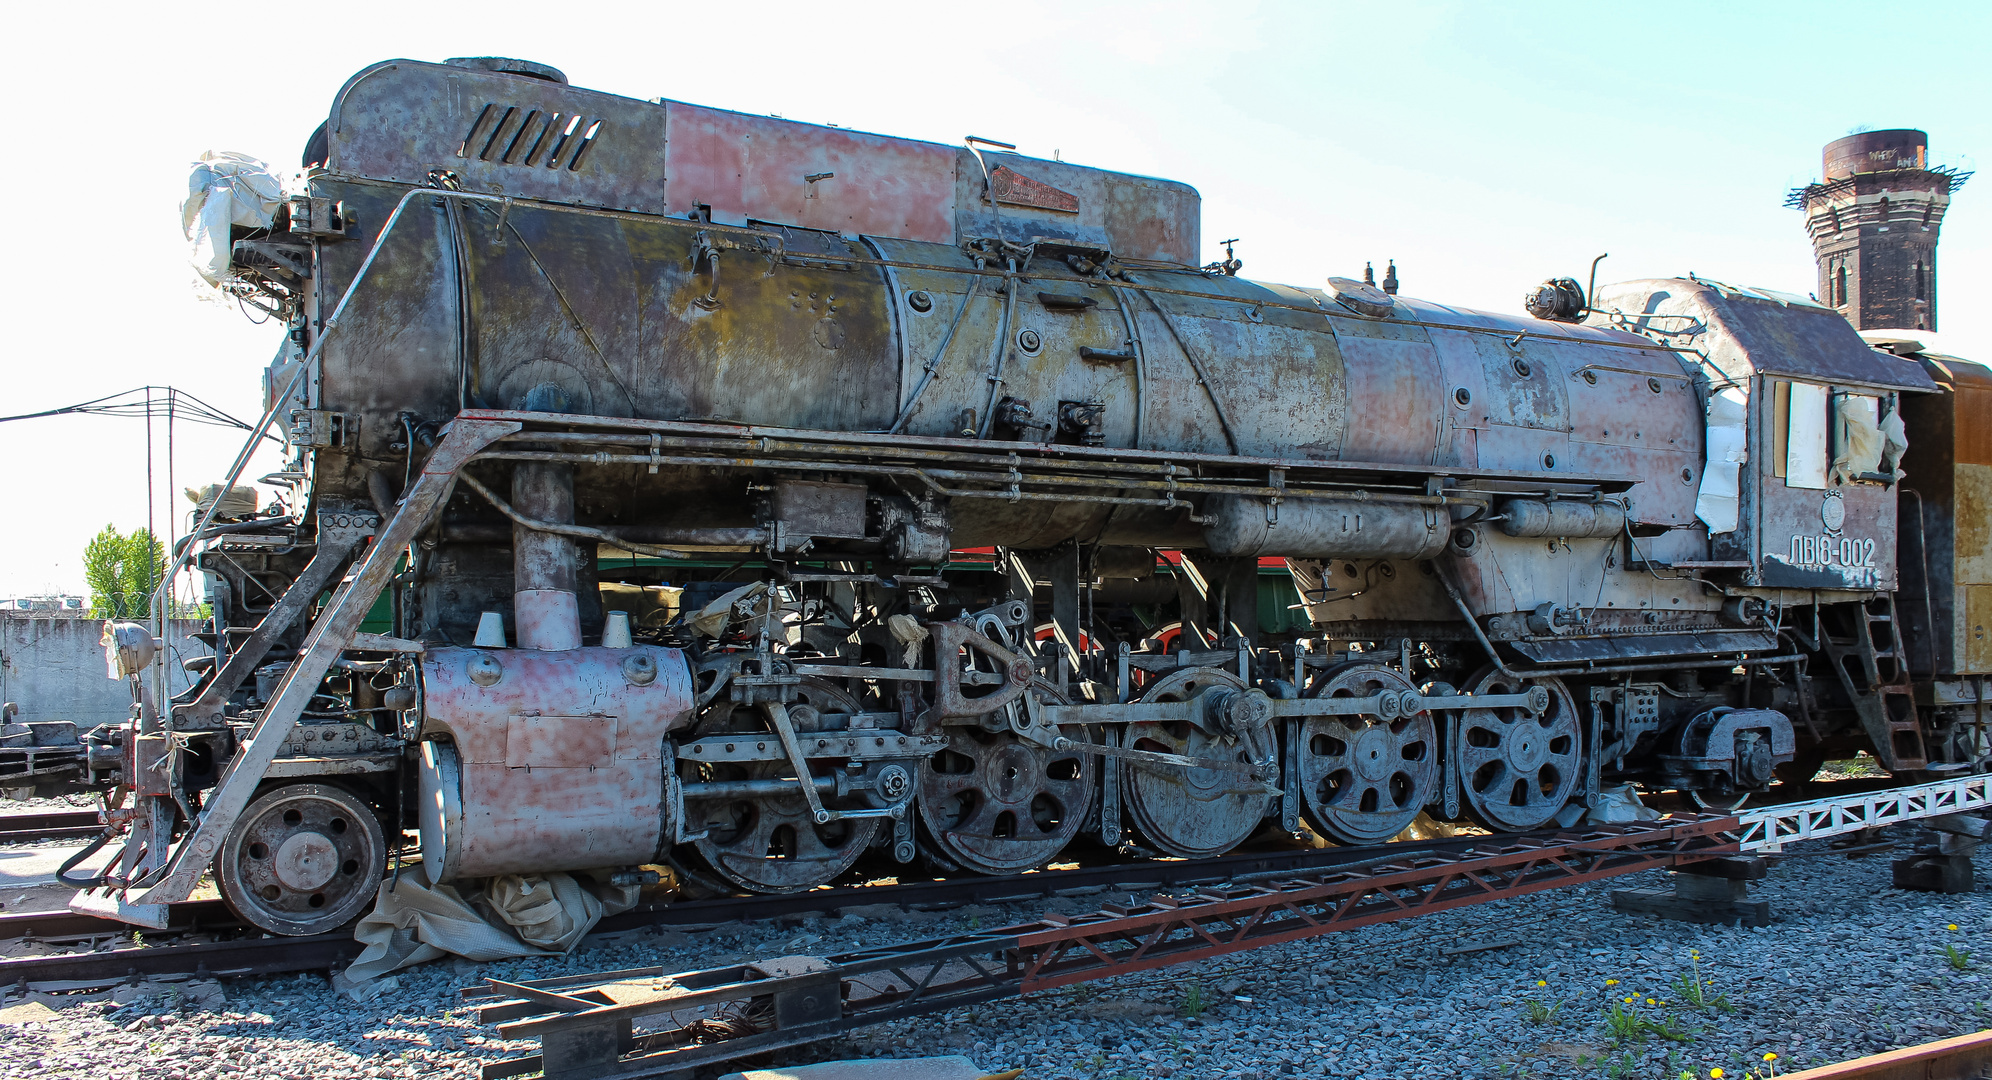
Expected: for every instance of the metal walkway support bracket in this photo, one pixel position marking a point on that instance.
(586, 1024)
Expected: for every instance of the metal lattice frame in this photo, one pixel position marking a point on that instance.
(586, 1024)
(1769, 829)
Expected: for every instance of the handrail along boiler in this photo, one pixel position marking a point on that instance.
(750, 496)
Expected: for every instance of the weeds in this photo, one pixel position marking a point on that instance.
(1193, 1001)
(1624, 1024)
(1959, 958)
(1698, 993)
(1535, 1012)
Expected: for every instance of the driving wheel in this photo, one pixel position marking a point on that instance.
(1517, 769)
(1195, 813)
(1365, 777)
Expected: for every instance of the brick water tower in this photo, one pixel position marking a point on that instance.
(1873, 220)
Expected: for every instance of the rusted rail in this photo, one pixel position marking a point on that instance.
(586, 1024)
(1966, 1057)
(269, 955)
(60, 825)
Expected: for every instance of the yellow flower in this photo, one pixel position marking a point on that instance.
(1628, 1001)
(1770, 1057)
(1952, 926)
(1715, 1073)
(1542, 982)
(1611, 982)
(1650, 1001)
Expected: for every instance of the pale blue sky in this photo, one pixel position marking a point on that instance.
(1483, 146)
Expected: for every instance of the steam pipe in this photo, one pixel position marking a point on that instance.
(576, 532)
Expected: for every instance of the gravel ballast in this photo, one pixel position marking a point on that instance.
(1849, 967)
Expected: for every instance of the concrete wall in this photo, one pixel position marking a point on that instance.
(52, 666)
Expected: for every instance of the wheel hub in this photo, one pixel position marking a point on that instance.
(305, 862)
(1370, 758)
(1530, 749)
(302, 859)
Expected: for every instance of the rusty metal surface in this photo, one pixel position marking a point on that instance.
(1747, 332)
(818, 997)
(758, 168)
(1875, 151)
(561, 758)
(502, 134)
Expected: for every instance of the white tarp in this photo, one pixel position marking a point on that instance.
(226, 189)
(507, 917)
(1858, 440)
(1727, 448)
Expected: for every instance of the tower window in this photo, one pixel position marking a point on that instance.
(1883, 209)
(1919, 279)
(1926, 214)
(1835, 212)
(1840, 287)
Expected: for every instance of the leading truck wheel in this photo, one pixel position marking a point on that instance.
(302, 859)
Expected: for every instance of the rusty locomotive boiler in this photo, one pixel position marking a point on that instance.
(671, 486)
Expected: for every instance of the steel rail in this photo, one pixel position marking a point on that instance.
(213, 915)
(585, 1023)
(54, 825)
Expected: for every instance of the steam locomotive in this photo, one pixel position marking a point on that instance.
(674, 487)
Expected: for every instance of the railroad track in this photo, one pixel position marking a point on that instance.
(261, 954)
(59, 825)
(265, 955)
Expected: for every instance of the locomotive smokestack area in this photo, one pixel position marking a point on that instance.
(546, 605)
(1233, 565)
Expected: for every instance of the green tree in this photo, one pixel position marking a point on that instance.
(123, 570)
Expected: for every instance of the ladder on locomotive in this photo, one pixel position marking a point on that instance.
(1872, 664)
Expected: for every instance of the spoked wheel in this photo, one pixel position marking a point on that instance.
(1517, 770)
(302, 859)
(1363, 779)
(997, 803)
(1186, 812)
(771, 843)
